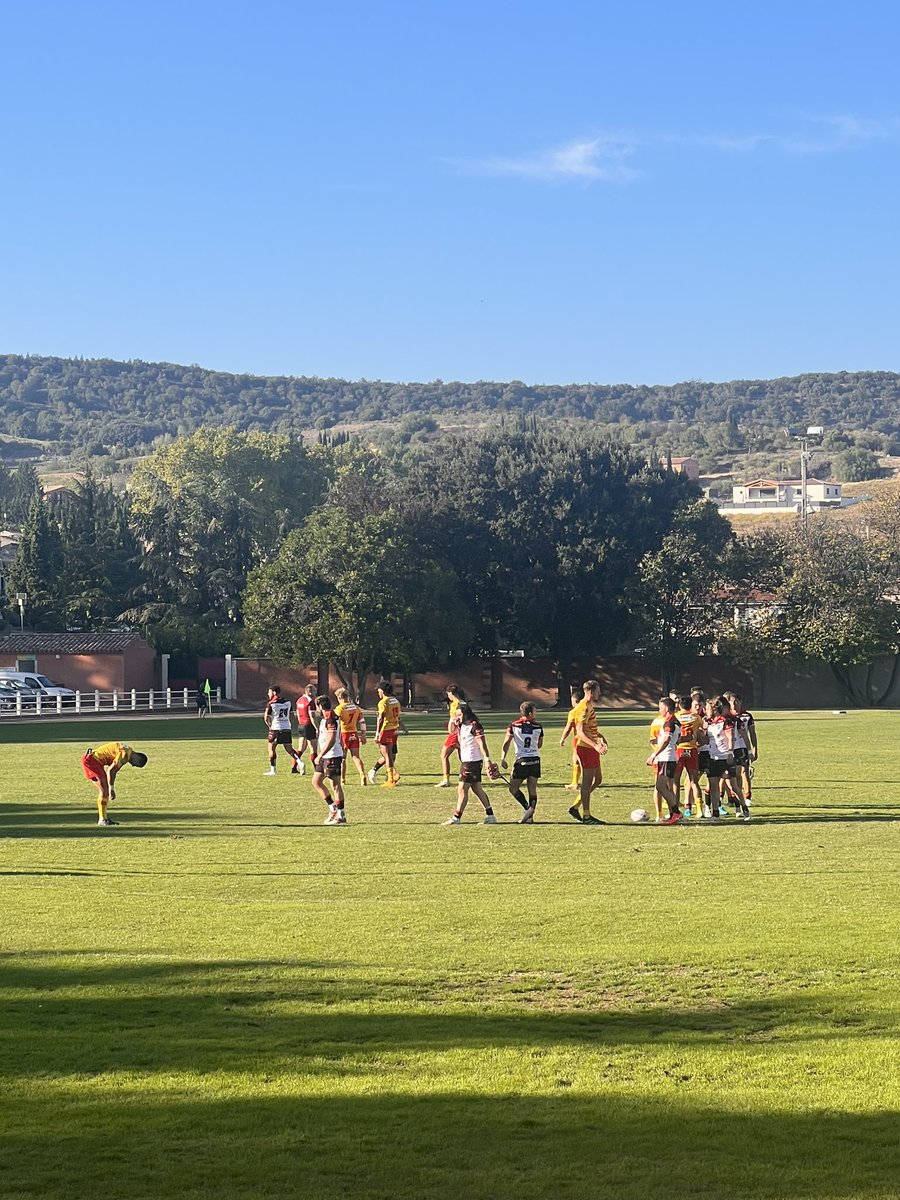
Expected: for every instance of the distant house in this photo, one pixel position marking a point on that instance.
(86, 662)
(784, 495)
(683, 466)
(9, 547)
(59, 492)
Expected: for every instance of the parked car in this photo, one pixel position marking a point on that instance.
(33, 684)
(11, 690)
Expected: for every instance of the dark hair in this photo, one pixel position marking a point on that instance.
(455, 690)
(668, 702)
(686, 701)
(324, 702)
(526, 708)
(385, 685)
(138, 759)
(467, 712)
(276, 688)
(591, 684)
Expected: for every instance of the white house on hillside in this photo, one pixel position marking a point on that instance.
(784, 495)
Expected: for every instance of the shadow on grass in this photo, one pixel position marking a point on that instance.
(84, 731)
(441, 1146)
(268, 1079)
(49, 821)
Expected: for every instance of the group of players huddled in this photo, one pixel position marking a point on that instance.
(694, 736)
(691, 737)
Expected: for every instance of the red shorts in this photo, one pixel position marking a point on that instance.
(688, 760)
(92, 769)
(451, 742)
(350, 741)
(387, 737)
(588, 757)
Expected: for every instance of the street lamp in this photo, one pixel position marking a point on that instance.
(812, 431)
(21, 600)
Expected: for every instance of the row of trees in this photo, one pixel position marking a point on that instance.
(99, 405)
(525, 539)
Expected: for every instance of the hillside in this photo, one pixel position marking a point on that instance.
(53, 408)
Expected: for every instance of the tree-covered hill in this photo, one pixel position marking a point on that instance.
(124, 408)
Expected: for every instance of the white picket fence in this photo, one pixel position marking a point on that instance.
(96, 702)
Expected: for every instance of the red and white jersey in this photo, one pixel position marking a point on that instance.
(741, 723)
(304, 704)
(469, 749)
(278, 714)
(327, 726)
(720, 730)
(668, 737)
(526, 735)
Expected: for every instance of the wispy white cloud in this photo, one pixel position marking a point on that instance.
(601, 158)
(606, 158)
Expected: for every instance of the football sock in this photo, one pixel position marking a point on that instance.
(520, 796)
(488, 812)
(574, 776)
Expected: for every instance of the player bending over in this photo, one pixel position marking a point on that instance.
(102, 765)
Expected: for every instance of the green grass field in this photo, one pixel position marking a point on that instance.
(222, 998)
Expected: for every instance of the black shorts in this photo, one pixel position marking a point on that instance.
(308, 732)
(666, 768)
(526, 768)
(470, 772)
(717, 769)
(742, 757)
(280, 737)
(330, 767)
(703, 761)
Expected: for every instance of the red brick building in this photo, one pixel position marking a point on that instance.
(85, 662)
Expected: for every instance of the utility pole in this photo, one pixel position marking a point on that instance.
(813, 431)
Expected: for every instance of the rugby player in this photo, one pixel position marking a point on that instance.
(328, 761)
(473, 754)
(590, 746)
(527, 735)
(353, 733)
(101, 765)
(277, 717)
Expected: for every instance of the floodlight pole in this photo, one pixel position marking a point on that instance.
(21, 599)
(804, 496)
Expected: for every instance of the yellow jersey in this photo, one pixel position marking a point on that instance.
(690, 727)
(349, 715)
(585, 714)
(655, 726)
(112, 754)
(388, 713)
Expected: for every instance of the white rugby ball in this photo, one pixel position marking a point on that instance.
(639, 814)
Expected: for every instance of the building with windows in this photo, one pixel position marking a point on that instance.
(784, 495)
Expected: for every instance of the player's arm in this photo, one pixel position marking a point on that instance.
(751, 738)
(481, 740)
(586, 741)
(267, 715)
(506, 745)
(654, 757)
(570, 725)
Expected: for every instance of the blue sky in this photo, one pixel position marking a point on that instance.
(560, 192)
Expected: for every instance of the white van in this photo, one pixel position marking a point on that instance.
(36, 685)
